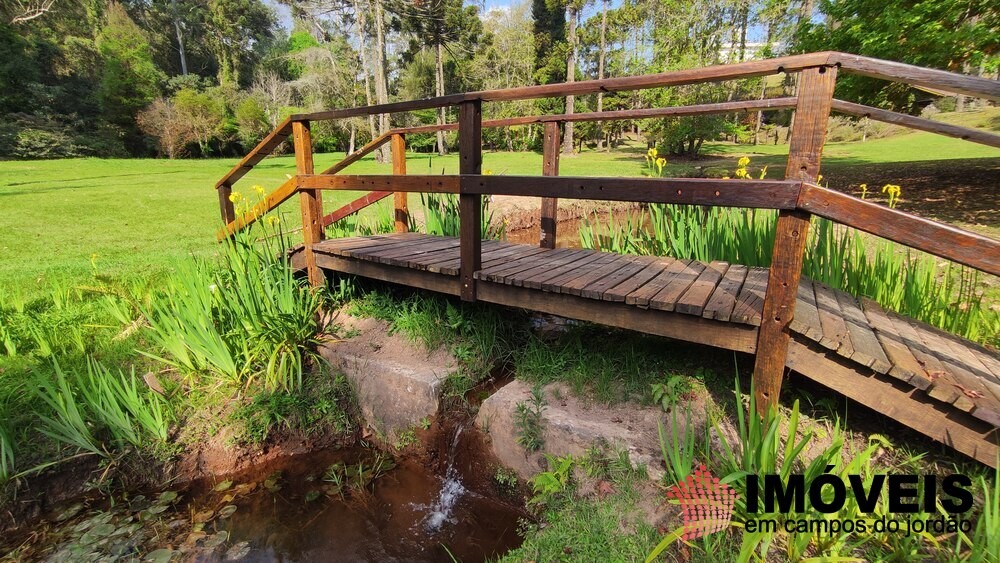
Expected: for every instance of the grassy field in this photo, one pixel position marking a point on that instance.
(64, 218)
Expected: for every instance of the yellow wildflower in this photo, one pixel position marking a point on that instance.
(743, 162)
(235, 197)
(272, 220)
(487, 172)
(894, 191)
(819, 178)
(652, 152)
(864, 190)
(660, 163)
(259, 189)
(742, 173)
(763, 172)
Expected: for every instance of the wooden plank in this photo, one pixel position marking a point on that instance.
(516, 254)
(667, 297)
(371, 251)
(723, 300)
(939, 239)
(751, 300)
(905, 365)
(504, 271)
(311, 203)
(392, 274)
(257, 154)
(635, 265)
(534, 277)
(550, 167)
(580, 267)
(400, 210)
(806, 319)
(912, 122)
(423, 261)
(383, 183)
(867, 349)
(717, 73)
(908, 406)
(402, 256)
(909, 337)
(342, 246)
(681, 327)
(622, 290)
(641, 296)
(606, 265)
(769, 194)
(812, 112)
(226, 206)
(470, 139)
(835, 334)
(918, 76)
(354, 206)
(694, 300)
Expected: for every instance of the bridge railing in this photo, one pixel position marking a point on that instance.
(796, 198)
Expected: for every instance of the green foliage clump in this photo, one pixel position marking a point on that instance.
(247, 320)
(528, 421)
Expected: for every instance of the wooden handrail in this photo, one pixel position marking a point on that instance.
(259, 153)
(947, 129)
(942, 240)
(270, 201)
(920, 76)
(355, 206)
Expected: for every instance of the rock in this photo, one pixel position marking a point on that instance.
(570, 426)
(397, 383)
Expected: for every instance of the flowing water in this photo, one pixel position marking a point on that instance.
(411, 513)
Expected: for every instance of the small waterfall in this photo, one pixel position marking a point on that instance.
(452, 490)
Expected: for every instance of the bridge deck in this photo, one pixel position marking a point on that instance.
(937, 383)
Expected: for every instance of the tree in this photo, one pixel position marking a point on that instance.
(549, 40)
(960, 36)
(205, 113)
(441, 25)
(129, 79)
(170, 127)
(573, 8)
(234, 29)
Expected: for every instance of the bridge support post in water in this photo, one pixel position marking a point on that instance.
(402, 213)
(311, 200)
(551, 146)
(812, 111)
(470, 144)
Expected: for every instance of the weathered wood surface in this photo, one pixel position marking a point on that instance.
(401, 211)
(939, 239)
(550, 167)
(311, 202)
(470, 161)
(946, 370)
(947, 129)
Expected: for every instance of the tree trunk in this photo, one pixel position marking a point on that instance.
(350, 145)
(744, 21)
(381, 75)
(180, 37)
(365, 66)
(600, 71)
(439, 91)
(571, 13)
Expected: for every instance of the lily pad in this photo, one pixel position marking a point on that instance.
(159, 556)
(227, 511)
(69, 512)
(238, 551)
(223, 486)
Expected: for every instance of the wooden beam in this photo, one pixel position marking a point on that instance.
(939, 239)
(550, 167)
(947, 129)
(359, 154)
(717, 73)
(383, 183)
(897, 400)
(270, 201)
(355, 206)
(812, 112)
(676, 111)
(311, 200)
(401, 212)
(770, 194)
(259, 153)
(226, 207)
(918, 76)
(470, 139)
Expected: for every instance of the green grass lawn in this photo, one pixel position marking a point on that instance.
(62, 218)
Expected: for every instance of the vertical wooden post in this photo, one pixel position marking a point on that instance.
(812, 111)
(226, 206)
(550, 167)
(399, 168)
(311, 200)
(470, 144)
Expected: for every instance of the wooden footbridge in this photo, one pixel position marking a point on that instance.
(938, 384)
